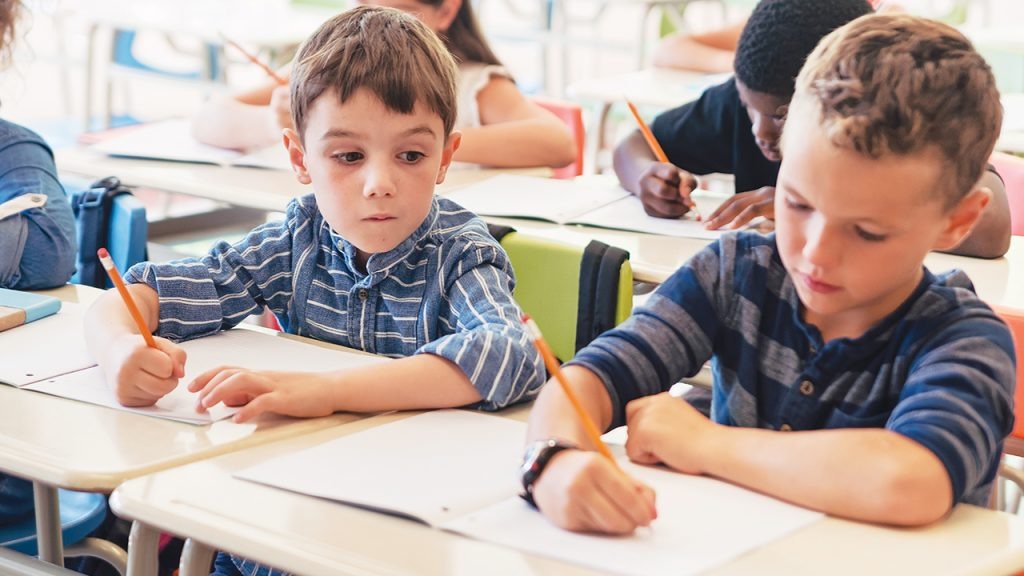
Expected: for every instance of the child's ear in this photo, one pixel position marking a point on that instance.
(447, 12)
(296, 154)
(450, 146)
(963, 217)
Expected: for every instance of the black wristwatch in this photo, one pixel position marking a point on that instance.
(536, 458)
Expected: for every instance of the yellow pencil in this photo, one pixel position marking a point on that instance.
(252, 58)
(115, 277)
(659, 153)
(556, 370)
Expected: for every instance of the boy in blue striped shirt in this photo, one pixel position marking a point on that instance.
(371, 259)
(848, 377)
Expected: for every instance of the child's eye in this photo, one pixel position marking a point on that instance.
(869, 236)
(348, 157)
(794, 205)
(411, 156)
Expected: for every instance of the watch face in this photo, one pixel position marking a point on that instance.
(532, 452)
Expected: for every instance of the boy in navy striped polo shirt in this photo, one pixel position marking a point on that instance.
(848, 377)
(371, 259)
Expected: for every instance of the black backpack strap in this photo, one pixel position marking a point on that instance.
(499, 231)
(606, 300)
(599, 290)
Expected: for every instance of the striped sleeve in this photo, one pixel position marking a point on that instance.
(489, 343)
(958, 402)
(668, 338)
(233, 281)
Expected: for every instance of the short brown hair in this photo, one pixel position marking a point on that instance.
(899, 84)
(386, 51)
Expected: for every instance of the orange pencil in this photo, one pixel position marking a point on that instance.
(252, 58)
(659, 153)
(552, 363)
(115, 277)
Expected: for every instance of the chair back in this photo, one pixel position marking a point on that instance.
(574, 294)
(1011, 169)
(80, 514)
(572, 115)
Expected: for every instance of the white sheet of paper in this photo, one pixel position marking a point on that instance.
(702, 523)
(548, 199)
(433, 466)
(239, 347)
(166, 140)
(628, 214)
(45, 348)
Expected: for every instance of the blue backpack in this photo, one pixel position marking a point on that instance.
(107, 215)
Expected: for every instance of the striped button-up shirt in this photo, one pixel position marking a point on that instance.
(445, 290)
(938, 370)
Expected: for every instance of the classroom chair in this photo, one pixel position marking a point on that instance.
(574, 294)
(123, 61)
(1014, 444)
(1011, 169)
(80, 514)
(572, 115)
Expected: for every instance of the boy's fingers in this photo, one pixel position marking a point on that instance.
(626, 502)
(258, 405)
(664, 209)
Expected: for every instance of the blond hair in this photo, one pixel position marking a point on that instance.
(391, 54)
(898, 84)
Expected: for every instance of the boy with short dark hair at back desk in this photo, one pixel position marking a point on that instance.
(735, 128)
(847, 377)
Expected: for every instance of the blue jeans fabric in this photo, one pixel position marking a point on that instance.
(16, 502)
(227, 565)
(37, 247)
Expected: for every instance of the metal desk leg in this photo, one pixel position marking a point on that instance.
(195, 559)
(51, 546)
(143, 550)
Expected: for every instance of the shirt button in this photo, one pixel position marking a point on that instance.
(806, 388)
(363, 294)
(785, 428)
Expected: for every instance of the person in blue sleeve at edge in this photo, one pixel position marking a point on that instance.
(37, 237)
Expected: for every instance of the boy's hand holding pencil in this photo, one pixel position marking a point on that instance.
(594, 493)
(141, 372)
(664, 189)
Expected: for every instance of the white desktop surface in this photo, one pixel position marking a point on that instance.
(311, 536)
(81, 446)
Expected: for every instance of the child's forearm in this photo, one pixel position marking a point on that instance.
(871, 475)
(520, 143)
(553, 416)
(108, 318)
(990, 237)
(423, 381)
(632, 156)
(228, 123)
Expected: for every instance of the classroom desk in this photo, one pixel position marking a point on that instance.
(310, 536)
(649, 88)
(653, 258)
(62, 443)
(257, 188)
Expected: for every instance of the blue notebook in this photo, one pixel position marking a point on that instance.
(17, 308)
